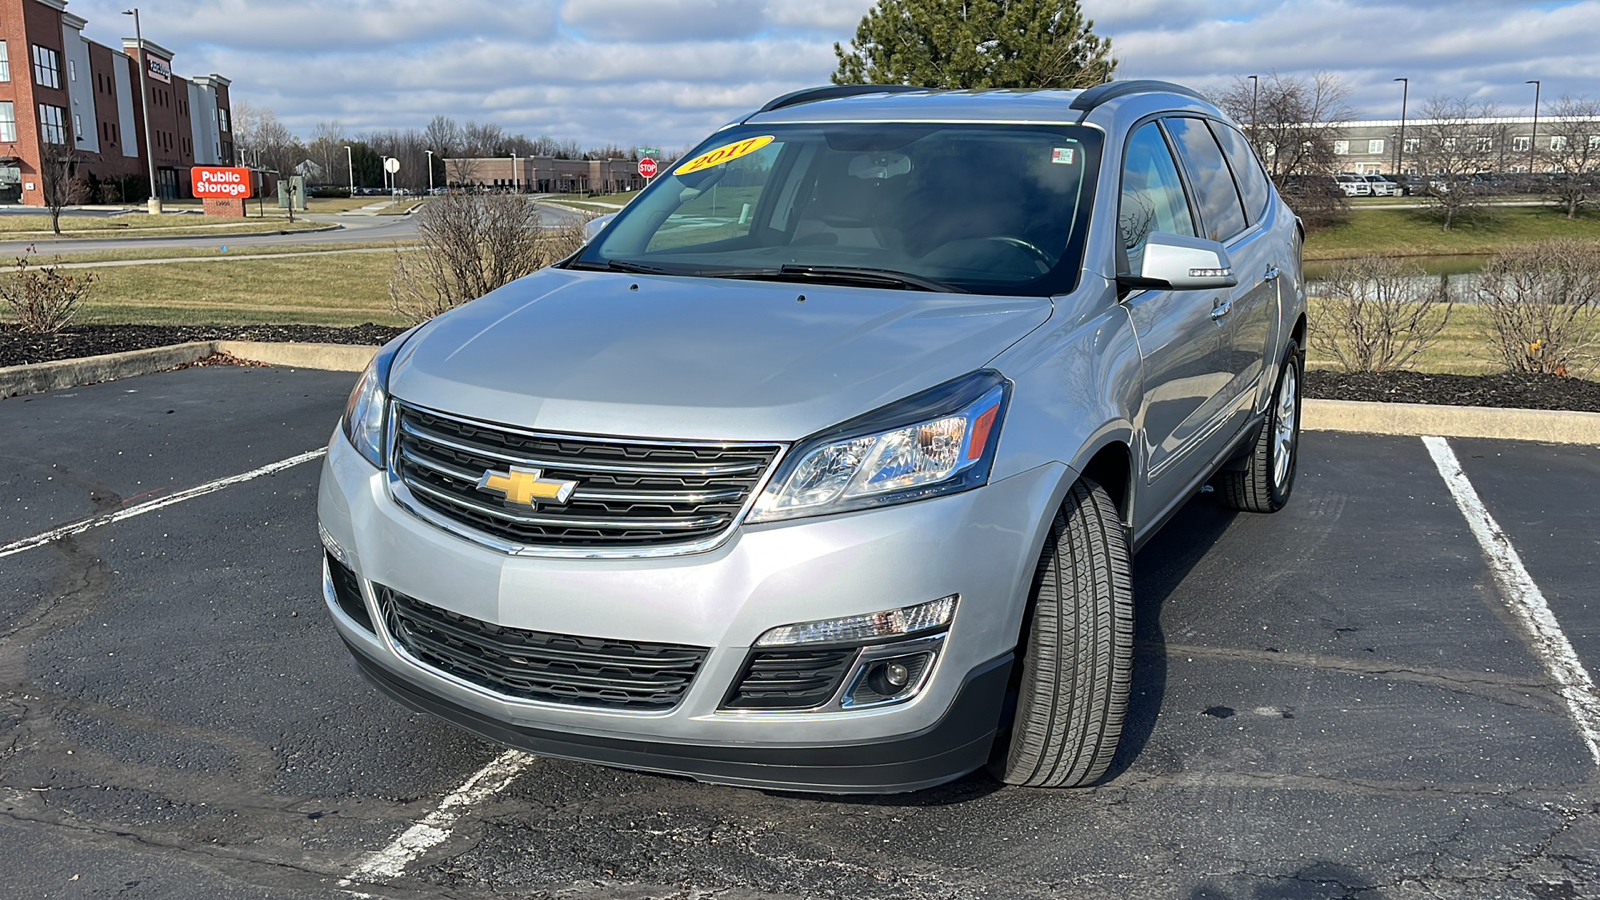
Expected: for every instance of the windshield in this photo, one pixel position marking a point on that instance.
(989, 209)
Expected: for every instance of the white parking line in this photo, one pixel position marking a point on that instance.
(139, 509)
(1524, 598)
(391, 861)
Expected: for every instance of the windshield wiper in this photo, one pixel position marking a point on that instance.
(869, 276)
(838, 275)
(622, 265)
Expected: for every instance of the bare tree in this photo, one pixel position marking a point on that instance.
(463, 171)
(1574, 150)
(1543, 303)
(58, 164)
(1290, 122)
(1378, 314)
(1454, 143)
(469, 245)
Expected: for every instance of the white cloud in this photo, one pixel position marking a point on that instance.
(667, 72)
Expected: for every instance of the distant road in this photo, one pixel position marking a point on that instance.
(353, 230)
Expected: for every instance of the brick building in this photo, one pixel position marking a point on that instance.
(57, 87)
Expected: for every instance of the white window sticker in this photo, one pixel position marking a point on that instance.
(1061, 155)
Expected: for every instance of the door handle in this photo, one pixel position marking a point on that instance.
(1221, 309)
(1272, 273)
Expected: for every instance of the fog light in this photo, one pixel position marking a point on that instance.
(889, 678)
(892, 678)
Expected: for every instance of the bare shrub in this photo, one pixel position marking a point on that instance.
(1543, 303)
(43, 298)
(1378, 314)
(470, 245)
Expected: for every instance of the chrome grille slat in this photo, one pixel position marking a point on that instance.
(568, 522)
(650, 495)
(565, 465)
(618, 496)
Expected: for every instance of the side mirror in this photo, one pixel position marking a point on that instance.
(593, 227)
(1174, 262)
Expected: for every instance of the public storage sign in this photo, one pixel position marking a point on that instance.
(221, 181)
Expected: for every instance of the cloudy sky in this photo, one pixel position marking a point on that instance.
(665, 72)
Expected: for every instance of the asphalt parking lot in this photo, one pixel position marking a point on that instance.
(1342, 700)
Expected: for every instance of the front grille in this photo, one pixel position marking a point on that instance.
(347, 591)
(790, 679)
(629, 494)
(535, 665)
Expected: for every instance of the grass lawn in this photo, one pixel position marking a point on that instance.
(315, 290)
(135, 252)
(37, 228)
(1463, 348)
(1416, 232)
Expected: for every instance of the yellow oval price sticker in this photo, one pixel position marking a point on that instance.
(723, 154)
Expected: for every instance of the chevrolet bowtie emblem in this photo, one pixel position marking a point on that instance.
(523, 486)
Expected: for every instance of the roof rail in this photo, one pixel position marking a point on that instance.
(834, 91)
(1111, 90)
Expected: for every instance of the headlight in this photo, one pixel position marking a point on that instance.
(363, 422)
(936, 442)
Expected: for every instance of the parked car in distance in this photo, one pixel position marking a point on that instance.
(1353, 185)
(1381, 186)
(821, 465)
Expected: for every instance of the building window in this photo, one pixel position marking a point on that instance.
(1558, 143)
(1341, 148)
(52, 124)
(8, 121)
(46, 67)
(1594, 142)
(222, 119)
(72, 70)
(1485, 144)
(1412, 144)
(1375, 146)
(5, 62)
(77, 124)
(1521, 144)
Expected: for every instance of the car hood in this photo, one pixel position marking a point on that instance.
(697, 358)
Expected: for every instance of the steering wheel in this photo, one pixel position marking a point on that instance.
(1044, 260)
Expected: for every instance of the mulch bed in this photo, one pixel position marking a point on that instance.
(1502, 391)
(1505, 391)
(17, 347)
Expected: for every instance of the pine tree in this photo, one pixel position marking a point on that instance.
(976, 44)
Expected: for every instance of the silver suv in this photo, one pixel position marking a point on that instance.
(821, 465)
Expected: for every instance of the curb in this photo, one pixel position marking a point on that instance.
(36, 378)
(1409, 419)
(121, 236)
(1413, 419)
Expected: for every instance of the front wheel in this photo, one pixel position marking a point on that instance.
(1078, 650)
(1265, 482)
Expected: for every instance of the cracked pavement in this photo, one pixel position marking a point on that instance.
(1328, 703)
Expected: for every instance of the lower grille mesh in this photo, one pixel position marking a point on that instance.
(790, 679)
(535, 665)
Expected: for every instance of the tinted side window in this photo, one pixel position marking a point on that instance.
(1152, 195)
(1220, 207)
(1247, 171)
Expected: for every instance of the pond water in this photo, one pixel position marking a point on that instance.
(1460, 271)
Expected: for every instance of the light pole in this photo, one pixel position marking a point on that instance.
(1533, 140)
(385, 172)
(144, 103)
(430, 172)
(1405, 94)
(516, 177)
(1255, 91)
(350, 159)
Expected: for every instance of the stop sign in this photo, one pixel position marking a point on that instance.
(647, 168)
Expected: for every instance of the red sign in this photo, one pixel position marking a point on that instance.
(226, 182)
(647, 168)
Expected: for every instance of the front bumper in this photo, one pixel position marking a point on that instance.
(981, 544)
